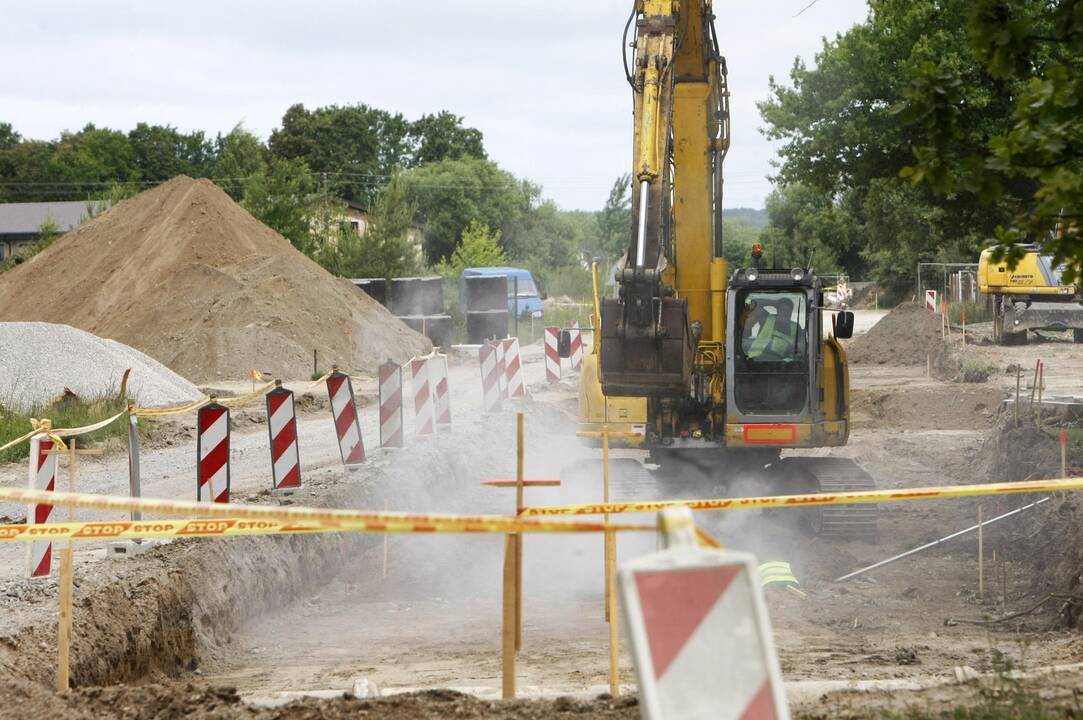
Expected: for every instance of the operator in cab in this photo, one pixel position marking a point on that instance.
(771, 334)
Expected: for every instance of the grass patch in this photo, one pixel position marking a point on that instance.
(65, 413)
(976, 372)
(976, 312)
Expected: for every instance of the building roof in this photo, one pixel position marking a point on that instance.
(26, 218)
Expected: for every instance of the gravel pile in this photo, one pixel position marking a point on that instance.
(39, 360)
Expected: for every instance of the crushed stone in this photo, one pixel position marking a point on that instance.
(39, 361)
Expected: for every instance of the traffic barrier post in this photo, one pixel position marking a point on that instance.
(282, 433)
(513, 368)
(501, 369)
(391, 434)
(442, 391)
(552, 353)
(424, 418)
(212, 452)
(351, 446)
(39, 555)
(575, 360)
(490, 381)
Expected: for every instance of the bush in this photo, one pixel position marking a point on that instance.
(976, 372)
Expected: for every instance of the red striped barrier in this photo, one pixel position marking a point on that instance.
(576, 358)
(441, 390)
(391, 405)
(490, 383)
(423, 406)
(513, 368)
(552, 353)
(351, 445)
(39, 557)
(212, 453)
(282, 429)
(501, 369)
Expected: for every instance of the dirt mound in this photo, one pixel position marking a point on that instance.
(905, 336)
(935, 407)
(184, 274)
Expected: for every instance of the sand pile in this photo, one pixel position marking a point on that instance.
(40, 361)
(186, 275)
(905, 336)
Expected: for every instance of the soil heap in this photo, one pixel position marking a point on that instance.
(905, 336)
(41, 361)
(184, 274)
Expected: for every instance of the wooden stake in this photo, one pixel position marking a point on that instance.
(981, 560)
(928, 365)
(386, 508)
(1064, 453)
(510, 553)
(605, 498)
(1003, 582)
(610, 578)
(1041, 383)
(1018, 380)
(520, 453)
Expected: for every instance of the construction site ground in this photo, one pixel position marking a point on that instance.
(278, 618)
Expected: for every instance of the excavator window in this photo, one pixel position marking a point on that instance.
(772, 364)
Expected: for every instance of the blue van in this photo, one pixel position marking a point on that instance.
(529, 301)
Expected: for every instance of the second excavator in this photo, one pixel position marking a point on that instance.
(716, 372)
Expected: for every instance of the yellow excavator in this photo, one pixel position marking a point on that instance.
(714, 373)
(1030, 296)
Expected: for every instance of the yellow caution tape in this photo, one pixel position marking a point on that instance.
(245, 399)
(784, 501)
(45, 427)
(181, 410)
(327, 520)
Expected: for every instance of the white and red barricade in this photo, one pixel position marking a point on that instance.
(39, 556)
(501, 369)
(212, 453)
(351, 446)
(282, 428)
(391, 405)
(490, 381)
(700, 634)
(931, 301)
(513, 368)
(424, 417)
(441, 390)
(576, 336)
(552, 353)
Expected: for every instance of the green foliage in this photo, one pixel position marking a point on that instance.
(162, 152)
(614, 221)
(844, 144)
(48, 232)
(976, 372)
(442, 137)
(386, 249)
(450, 194)
(280, 198)
(480, 247)
(1031, 164)
(804, 228)
(241, 158)
(65, 413)
(738, 234)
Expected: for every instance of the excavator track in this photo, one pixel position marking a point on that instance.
(832, 475)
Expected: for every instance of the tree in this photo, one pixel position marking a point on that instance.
(356, 148)
(451, 193)
(615, 220)
(280, 199)
(241, 158)
(479, 247)
(844, 144)
(386, 249)
(162, 152)
(443, 137)
(1032, 165)
(8, 137)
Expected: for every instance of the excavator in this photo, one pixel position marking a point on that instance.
(714, 372)
(1030, 295)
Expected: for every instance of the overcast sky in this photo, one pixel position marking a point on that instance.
(542, 79)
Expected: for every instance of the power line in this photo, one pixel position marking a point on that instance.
(806, 8)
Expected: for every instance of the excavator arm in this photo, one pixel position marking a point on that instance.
(665, 307)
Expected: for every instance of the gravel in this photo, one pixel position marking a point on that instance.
(38, 361)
